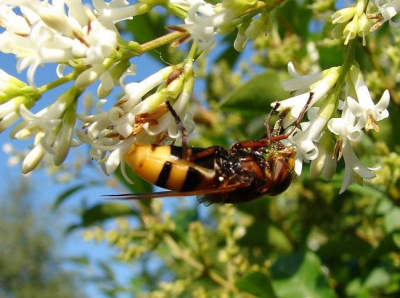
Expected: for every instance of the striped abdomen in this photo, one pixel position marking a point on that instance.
(164, 167)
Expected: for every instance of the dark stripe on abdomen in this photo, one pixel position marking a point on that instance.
(164, 174)
(192, 180)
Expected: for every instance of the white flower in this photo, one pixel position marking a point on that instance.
(365, 109)
(353, 167)
(52, 129)
(319, 84)
(305, 140)
(325, 162)
(134, 120)
(202, 27)
(389, 9)
(348, 131)
(135, 91)
(118, 10)
(345, 126)
(50, 35)
(9, 111)
(35, 156)
(13, 94)
(299, 84)
(206, 9)
(13, 22)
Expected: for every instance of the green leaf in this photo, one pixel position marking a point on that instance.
(378, 277)
(107, 270)
(257, 94)
(300, 275)
(295, 17)
(79, 260)
(352, 246)
(102, 212)
(257, 284)
(63, 196)
(330, 56)
(392, 219)
(183, 217)
(355, 288)
(396, 238)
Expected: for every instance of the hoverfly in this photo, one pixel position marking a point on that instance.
(245, 172)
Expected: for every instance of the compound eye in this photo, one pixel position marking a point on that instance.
(281, 176)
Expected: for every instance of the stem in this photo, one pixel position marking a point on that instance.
(332, 102)
(179, 12)
(249, 14)
(348, 62)
(219, 280)
(65, 79)
(181, 254)
(193, 52)
(160, 41)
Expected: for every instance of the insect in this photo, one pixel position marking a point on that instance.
(245, 172)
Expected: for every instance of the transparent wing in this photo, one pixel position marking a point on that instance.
(165, 194)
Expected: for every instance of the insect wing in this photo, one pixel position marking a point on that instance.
(165, 194)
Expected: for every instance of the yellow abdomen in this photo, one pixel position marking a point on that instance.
(159, 166)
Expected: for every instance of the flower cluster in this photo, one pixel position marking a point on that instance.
(136, 120)
(87, 47)
(352, 22)
(205, 20)
(47, 34)
(324, 139)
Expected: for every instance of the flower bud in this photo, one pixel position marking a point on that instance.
(89, 76)
(324, 164)
(343, 15)
(34, 157)
(351, 30)
(64, 137)
(363, 27)
(115, 73)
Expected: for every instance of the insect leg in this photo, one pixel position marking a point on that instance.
(268, 139)
(181, 128)
(267, 135)
(296, 123)
(265, 139)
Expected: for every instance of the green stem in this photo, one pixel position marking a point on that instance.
(180, 13)
(332, 102)
(65, 79)
(155, 43)
(249, 14)
(348, 62)
(193, 52)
